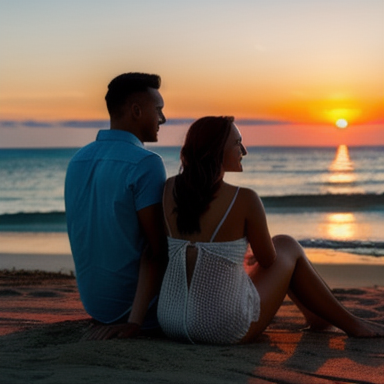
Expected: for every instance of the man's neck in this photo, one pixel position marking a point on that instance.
(125, 128)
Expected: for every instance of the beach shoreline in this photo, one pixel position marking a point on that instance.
(338, 269)
(42, 323)
(50, 252)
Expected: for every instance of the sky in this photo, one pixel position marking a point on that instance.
(287, 70)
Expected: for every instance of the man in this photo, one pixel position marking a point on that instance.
(113, 193)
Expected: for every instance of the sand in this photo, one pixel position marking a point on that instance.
(42, 323)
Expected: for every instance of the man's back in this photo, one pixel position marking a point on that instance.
(107, 182)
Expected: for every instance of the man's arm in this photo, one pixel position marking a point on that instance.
(152, 267)
(153, 261)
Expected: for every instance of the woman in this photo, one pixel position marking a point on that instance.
(206, 295)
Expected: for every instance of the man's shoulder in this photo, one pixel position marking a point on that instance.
(149, 161)
(140, 156)
(84, 152)
(118, 151)
(144, 152)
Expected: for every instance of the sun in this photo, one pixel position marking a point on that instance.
(341, 123)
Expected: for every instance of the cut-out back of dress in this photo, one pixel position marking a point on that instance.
(191, 251)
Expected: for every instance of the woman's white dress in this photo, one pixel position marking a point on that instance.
(221, 301)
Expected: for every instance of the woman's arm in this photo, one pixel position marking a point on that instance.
(256, 228)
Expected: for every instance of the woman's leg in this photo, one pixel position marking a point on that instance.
(293, 272)
(314, 322)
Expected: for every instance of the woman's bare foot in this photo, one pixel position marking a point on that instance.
(367, 329)
(316, 323)
(313, 322)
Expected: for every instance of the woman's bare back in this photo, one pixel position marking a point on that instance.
(233, 227)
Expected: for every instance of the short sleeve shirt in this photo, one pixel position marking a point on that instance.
(107, 182)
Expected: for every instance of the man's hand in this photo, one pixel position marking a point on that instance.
(251, 260)
(106, 332)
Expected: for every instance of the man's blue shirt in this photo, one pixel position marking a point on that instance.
(107, 182)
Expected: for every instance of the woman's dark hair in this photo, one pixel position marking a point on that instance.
(199, 179)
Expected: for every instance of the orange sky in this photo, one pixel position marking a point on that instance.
(307, 63)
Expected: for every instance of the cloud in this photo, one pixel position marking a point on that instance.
(26, 123)
(185, 121)
(7, 123)
(188, 121)
(261, 122)
(37, 124)
(104, 124)
(101, 124)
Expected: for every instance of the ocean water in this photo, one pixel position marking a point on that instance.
(325, 197)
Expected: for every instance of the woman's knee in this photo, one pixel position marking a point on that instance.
(283, 241)
(287, 247)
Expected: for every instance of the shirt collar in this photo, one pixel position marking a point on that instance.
(118, 135)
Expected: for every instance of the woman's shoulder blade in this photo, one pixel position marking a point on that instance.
(250, 201)
(248, 193)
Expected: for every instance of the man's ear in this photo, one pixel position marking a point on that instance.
(136, 110)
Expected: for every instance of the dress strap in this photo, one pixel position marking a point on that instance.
(225, 215)
(168, 227)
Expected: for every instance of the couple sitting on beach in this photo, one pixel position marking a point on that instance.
(150, 251)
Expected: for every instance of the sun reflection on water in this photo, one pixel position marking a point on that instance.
(340, 178)
(342, 167)
(341, 226)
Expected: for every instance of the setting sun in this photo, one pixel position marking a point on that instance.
(341, 123)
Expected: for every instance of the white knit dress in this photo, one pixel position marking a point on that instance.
(221, 301)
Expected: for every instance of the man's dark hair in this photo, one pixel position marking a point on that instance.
(125, 85)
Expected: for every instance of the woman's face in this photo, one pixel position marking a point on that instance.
(234, 151)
